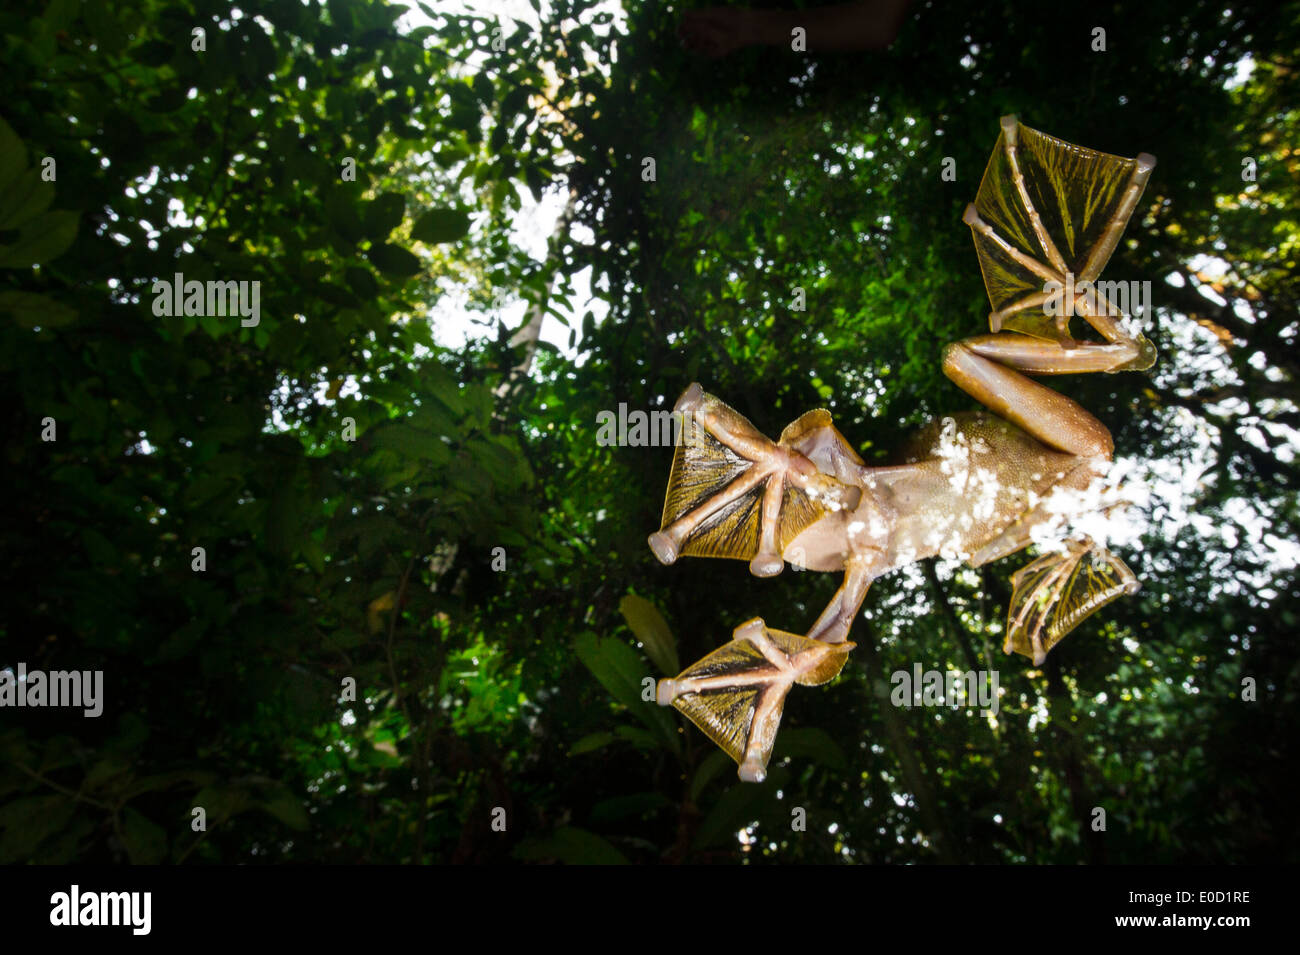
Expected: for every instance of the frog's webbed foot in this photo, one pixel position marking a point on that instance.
(1046, 219)
(1058, 591)
(736, 694)
(733, 492)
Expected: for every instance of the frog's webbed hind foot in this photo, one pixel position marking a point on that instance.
(736, 694)
(1046, 219)
(1058, 591)
(734, 492)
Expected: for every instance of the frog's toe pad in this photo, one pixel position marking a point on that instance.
(666, 692)
(663, 547)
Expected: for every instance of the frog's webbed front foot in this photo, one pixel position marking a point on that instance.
(737, 693)
(1058, 591)
(733, 492)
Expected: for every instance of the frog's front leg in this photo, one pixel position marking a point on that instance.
(737, 693)
(733, 492)
(837, 619)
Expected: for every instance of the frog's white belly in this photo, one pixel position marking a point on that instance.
(966, 481)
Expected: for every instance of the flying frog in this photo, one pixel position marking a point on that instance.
(1045, 220)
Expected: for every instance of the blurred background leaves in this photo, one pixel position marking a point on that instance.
(351, 476)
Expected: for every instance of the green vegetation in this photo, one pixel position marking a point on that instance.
(329, 559)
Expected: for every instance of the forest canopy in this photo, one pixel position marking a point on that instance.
(363, 588)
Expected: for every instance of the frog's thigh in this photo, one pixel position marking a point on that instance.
(976, 366)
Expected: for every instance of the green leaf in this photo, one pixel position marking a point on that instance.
(146, 842)
(394, 260)
(342, 213)
(100, 550)
(811, 742)
(288, 808)
(27, 198)
(313, 552)
(620, 671)
(25, 822)
(104, 29)
(384, 214)
(652, 630)
(105, 771)
(14, 747)
(44, 238)
(221, 802)
(533, 177)
(737, 807)
(514, 102)
(154, 53)
(362, 281)
(404, 438)
(162, 781)
(436, 417)
(181, 643)
(59, 752)
(168, 100)
(638, 737)
(13, 155)
(711, 767)
(440, 225)
(620, 807)
(32, 311)
(572, 846)
(592, 742)
(60, 13)
(284, 517)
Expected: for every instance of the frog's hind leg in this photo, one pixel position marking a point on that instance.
(1055, 593)
(990, 369)
(1046, 219)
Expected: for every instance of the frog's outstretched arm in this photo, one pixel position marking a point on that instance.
(737, 692)
(735, 493)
